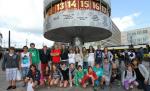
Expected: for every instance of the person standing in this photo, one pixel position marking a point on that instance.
(55, 54)
(11, 65)
(78, 57)
(107, 71)
(71, 56)
(44, 57)
(91, 58)
(25, 62)
(98, 55)
(64, 54)
(108, 55)
(35, 55)
(85, 56)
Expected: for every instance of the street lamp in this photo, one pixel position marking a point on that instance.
(1, 39)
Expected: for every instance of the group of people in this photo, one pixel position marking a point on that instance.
(65, 66)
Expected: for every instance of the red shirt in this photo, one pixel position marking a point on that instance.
(93, 74)
(56, 59)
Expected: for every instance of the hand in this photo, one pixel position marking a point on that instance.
(145, 82)
(19, 68)
(130, 81)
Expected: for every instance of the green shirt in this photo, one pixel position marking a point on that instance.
(35, 56)
(98, 71)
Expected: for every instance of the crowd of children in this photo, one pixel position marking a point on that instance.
(74, 66)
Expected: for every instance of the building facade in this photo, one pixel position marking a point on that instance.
(114, 40)
(136, 36)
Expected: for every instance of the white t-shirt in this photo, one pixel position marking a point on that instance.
(71, 58)
(78, 57)
(91, 57)
(25, 59)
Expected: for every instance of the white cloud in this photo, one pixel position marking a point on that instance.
(25, 20)
(125, 22)
(22, 13)
(18, 39)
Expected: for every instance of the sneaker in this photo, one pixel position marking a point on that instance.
(102, 86)
(131, 86)
(9, 87)
(94, 88)
(13, 87)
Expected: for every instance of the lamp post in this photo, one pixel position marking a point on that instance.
(1, 39)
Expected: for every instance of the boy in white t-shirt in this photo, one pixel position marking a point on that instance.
(25, 62)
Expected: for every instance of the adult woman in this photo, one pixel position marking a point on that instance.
(142, 74)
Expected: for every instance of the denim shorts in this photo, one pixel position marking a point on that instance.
(24, 72)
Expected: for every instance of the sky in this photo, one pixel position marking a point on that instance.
(24, 18)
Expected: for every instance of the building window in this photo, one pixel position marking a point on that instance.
(145, 31)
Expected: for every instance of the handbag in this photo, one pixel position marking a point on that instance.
(18, 75)
(30, 86)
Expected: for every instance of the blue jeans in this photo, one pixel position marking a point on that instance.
(24, 72)
(97, 82)
(142, 85)
(85, 65)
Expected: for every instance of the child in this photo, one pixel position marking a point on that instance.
(33, 77)
(25, 62)
(129, 78)
(91, 56)
(10, 64)
(78, 57)
(65, 74)
(90, 77)
(72, 72)
(56, 75)
(116, 74)
(107, 72)
(99, 72)
(78, 76)
(45, 77)
(71, 56)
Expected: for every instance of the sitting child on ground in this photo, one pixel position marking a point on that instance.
(129, 78)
